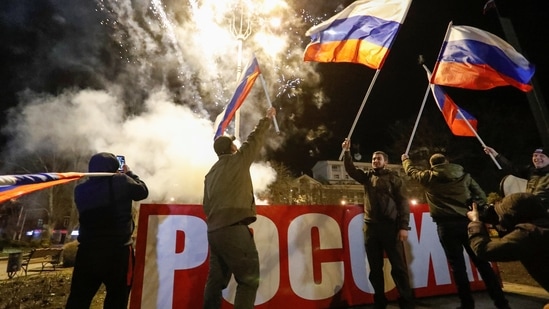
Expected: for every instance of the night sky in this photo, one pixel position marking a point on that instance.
(38, 36)
(401, 84)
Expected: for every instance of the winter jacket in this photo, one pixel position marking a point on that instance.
(526, 223)
(105, 204)
(447, 189)
(228, 191)
(537, 179)
(384, 200)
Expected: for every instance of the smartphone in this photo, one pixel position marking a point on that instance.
(121, 162)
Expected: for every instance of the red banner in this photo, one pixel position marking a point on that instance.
(310, 256)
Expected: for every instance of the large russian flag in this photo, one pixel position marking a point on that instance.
(456, 117)
(475, 59)
(362, 33)
(245, 84)
(14, 186)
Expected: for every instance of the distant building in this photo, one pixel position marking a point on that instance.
(331, 185)
(333, 172)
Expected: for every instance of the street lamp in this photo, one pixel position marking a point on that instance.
(241, 28)
(25, 217)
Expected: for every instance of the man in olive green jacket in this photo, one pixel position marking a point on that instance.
(230, 206)
(447, 190)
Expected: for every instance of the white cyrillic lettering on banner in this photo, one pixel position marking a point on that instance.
(358, 254)
(194, 253)
(267, 242)
(310, 257)
(425, 250)
(300, 255)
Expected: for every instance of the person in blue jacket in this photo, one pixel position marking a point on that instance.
(105, 253)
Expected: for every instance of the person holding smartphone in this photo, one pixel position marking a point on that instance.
(105, 253)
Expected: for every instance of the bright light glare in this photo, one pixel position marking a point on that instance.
(269, 6)
(277, 45)
(413, 202)
(275, 22)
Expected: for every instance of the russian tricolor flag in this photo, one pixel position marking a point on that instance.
(245, 84)
(475, 59)
(457, 122)
(362, 33)
(460, 122)
(14, 186)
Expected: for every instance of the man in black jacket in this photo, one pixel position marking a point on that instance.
(386, 219)
(105, 253)
(447, 189)
(537, 174)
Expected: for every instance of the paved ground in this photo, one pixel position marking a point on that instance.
(520, 296)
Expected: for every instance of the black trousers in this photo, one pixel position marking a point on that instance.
(380, 238)
(93, 267)
(453, 237)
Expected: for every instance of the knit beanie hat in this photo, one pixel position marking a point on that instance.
(519, 208)
(437, 158)
(541, 150)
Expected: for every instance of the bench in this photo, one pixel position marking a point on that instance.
(43, 256)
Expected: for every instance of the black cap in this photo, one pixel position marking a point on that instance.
(222, 144)
(540, 150)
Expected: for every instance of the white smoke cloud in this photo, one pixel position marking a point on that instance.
(161, 72)
(168, 146)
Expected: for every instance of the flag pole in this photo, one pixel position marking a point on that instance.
(479, 139)
(360, 109)
(417, 119)
(269, 101)
(441, 49)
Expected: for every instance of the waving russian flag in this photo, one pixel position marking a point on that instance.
(245, 84)
(362, 33)
(475, 59)
(460, 122)
(14, 186)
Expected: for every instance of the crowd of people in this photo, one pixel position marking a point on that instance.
(106, 255)
(105, 251)
(453, 197)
